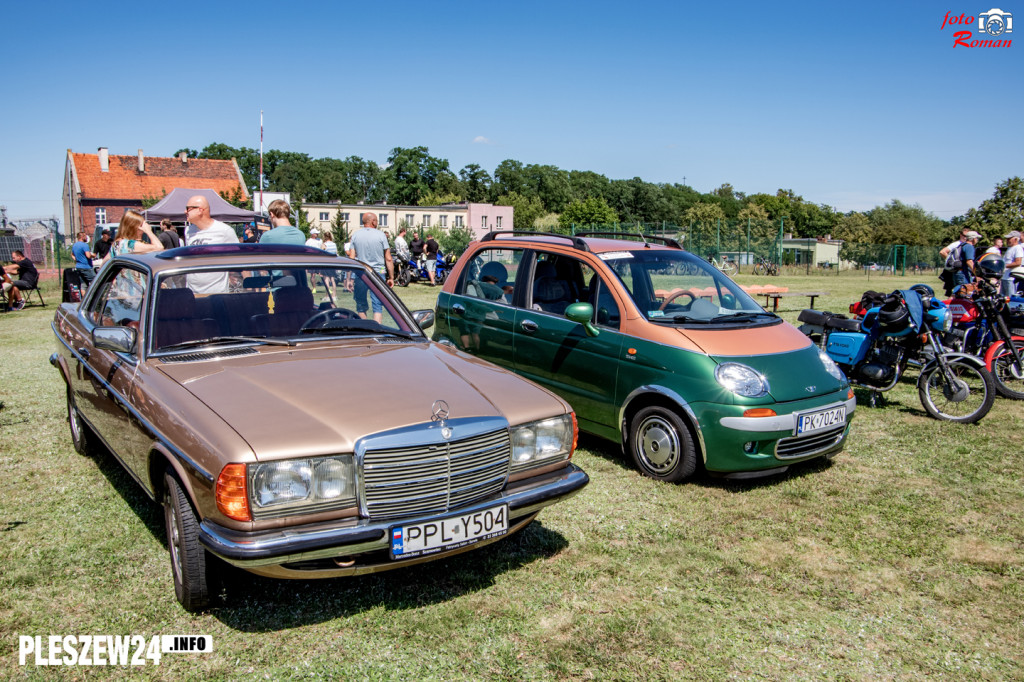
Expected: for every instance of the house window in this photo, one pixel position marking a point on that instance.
(497, 222)
(442, 221)
(458, 221)
(344, 219)
(325, 216)
(382, 219)
(426, 220)
(483, 221)
(410, 220)
(101, 216)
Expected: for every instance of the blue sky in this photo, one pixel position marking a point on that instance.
(849, 105)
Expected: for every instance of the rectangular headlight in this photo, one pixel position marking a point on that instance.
(302, 486)
(542, 442)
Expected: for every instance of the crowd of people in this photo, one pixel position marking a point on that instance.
(962, 255)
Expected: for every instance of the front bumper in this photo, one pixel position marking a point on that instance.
(361, 545)
(774, 441)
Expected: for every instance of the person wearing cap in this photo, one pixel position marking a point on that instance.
(102, 247)
(314, 239)
(1013, 259)
(965, 273)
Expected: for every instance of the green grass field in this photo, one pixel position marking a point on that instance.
(902, 559)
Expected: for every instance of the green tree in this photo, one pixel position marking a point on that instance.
(437, 199)
(1003, 212)
(524, 210)
(454, 240)
(411, 173)
(508, 178)
(594, 211)
(898, 223)
(853, 228)
(340, 230)
(476, 182)
(704, 213)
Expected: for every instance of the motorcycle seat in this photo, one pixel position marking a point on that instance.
(828, 320)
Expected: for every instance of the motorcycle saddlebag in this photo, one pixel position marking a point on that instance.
(848, 348)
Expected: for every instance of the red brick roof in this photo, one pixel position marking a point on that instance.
(124, 181)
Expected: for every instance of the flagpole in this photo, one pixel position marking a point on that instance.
(261, 161)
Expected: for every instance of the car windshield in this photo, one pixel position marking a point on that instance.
(271, 305)
(676, 287)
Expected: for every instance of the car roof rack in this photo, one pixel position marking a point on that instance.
(667, 241)
(239, 250)
(576, 242)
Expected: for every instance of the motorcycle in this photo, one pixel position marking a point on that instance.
(984, 325)
(407, 271)
(875, 351)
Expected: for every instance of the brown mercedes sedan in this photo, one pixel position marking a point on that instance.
(294, 420)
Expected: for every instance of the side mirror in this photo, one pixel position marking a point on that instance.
(424, 318)
(117, 339)
(582, 313)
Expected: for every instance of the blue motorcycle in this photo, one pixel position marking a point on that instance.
(903, 330)
(407, 271)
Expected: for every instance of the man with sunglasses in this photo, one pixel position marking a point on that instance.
(201, 229)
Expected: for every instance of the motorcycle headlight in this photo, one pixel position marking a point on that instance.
(543, 442)
(302, 485)
(830, 365)
(741, 380)
(947, 320)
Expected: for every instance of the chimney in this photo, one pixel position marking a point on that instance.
(142, 162)
(104, 159)
(183, 156)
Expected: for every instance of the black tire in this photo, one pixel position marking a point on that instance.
(1008, 376)
(965, 403)
(402, 279)
(82, 437)
(760, 269)
(192, 568)
(773, 270)
(661, 445)
(440, 276)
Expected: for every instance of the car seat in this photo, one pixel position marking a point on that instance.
(176, 320)
(292, 307)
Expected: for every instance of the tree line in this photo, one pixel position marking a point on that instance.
(567, 198)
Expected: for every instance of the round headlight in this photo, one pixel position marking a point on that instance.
(947, 320)
(830, 365)
(741, 380)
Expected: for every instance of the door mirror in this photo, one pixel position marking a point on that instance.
(424, 318)
(582, 313)
(117, 339)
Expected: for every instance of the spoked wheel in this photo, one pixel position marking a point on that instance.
(193, 569)
(760, 269)
(773, 269)
(661, 445)
(82, 437)
(1008, 374)
(402, 279)
(729, 268)
(965, 400)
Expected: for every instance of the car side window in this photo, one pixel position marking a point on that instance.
(606, 309)
(557, 282)
(119, 301)
(492, 275)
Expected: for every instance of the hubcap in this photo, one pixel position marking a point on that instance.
(658, 444)
(173, 537)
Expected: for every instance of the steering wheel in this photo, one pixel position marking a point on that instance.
(676, 294)
(323, 317)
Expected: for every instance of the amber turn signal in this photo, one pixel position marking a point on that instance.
(849, 394)
(759, 412)
(232, 493)
(575, 434)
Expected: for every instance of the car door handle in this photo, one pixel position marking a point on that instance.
(529, 326)
(84, 352)
(459, 309)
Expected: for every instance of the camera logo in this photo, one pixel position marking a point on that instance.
(995, 22)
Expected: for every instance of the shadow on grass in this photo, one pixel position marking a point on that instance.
(256, 604)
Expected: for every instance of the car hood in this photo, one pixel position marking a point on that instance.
(316, 400)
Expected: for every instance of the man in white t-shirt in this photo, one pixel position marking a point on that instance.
(314, 240)
(203, 229)
(1013, 258)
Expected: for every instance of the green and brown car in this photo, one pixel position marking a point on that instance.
(241, 388)
(653, 347)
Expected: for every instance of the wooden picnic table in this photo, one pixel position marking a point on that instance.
(775, 296)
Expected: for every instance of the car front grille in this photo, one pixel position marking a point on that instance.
(435, 477)
(802, 446)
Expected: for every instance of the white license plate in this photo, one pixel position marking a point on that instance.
(446, 534)
(820, 420)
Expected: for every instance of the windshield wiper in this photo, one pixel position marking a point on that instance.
(228, 339)
(357, 327)
(732, 317)
(745, 316)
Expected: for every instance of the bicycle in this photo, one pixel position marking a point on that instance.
(765, 267)
(725, 265)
